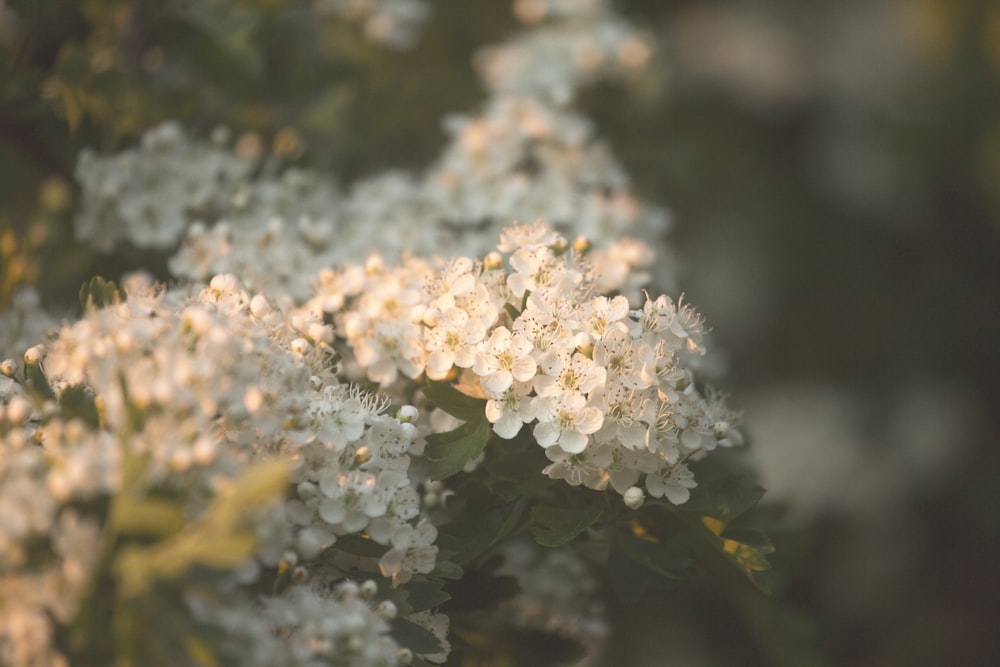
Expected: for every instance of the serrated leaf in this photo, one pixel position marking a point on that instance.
(469, 539)
(455, 403)
(445, 569)
(449, 452)
(555, 526)
(418, 639)
(724, 497)
(425, 595)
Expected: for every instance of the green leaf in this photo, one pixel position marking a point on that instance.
(449, 452)
(99, 293)
(455, 403)
(425, 594)
(414, 637)
(360, 546)
(512, 311)
(468, 539)
(724, 496)
(646, 555)
(78, 401)
(445, 569)
(744, 547)
(555, 526)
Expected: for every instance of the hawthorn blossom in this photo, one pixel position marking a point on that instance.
(565, 419)
(451, 342)
(674, 483)
(412, 552)
(502, 359)
(510, 409)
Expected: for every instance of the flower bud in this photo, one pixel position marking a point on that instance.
(407, 413)
(634, 497)
(259, 306)
(386, 609)
(34, 355)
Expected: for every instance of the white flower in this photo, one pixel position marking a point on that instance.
(589, 467)
(412, 552)
(452, 342)
(623, 409)
(600, 314)
(510, 409)
(674, 482)
(569, 372)
(565, 419)
(502, 359)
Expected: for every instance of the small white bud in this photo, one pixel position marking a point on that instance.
(634, 497)
(259, 306)
(34, 355)
(348, 589)
(369, 588)
(407, 413)
(432, 316)
(8, 367)
(19, 410)
(386, 609)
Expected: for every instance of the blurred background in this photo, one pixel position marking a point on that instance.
(833, 173)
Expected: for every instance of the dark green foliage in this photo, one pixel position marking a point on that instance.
(455, 403)
(412, 636)
(449, 452)
(555, 526)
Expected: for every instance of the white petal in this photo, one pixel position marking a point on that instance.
(498, 382)
(589, 420)
(508, 426)
(572, 442)
(546, 433)
(524, 369)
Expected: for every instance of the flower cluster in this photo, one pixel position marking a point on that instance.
(524, 156)
(148, 195)
(178, 393)
(573, 43)
(605, 387)
(199, 384)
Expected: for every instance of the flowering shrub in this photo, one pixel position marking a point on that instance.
(353, 430)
